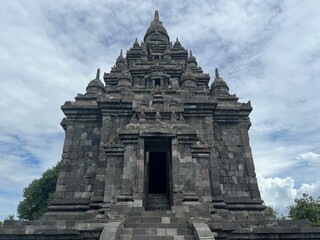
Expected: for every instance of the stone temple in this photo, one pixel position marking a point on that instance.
(155, 153)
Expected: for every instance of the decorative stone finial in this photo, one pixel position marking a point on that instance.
(95, 86)
(219, 87)
(192, 61)
(120, 60)
(217, 73)
(156, 16)
(177, 44)
(135, 44)
(98, 74)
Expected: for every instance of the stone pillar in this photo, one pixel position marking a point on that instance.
(176, 179)
(129, 170)
(113, 173)
(139, 191)
(200, 155)
(215, 170)
(185, 168)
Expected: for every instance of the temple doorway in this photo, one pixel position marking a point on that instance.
(157, 173)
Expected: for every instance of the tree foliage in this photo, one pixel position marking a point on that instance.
(9, 217)
(270, 210)
(306, 208)
(38, 195)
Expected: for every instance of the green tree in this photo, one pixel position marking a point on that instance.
(270, 210)
(306, 208)
(38, 195)
(9, 217)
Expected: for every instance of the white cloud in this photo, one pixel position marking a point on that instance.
(312, 189)
(310, 157)
(281, 192)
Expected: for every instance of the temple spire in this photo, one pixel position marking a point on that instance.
(98, 74)
(156, 29)
(156, 16)
(217, 74)
(120, 60)
(136, 44)
(177, 44)
(219, 87)
(95, 86)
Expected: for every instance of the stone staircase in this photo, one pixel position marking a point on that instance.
(157, 202)
(156, 225)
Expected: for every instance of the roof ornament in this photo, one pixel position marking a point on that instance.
(156, 16)
(219, 87)
(98, 74)
(120, 60)
(136, 44)
(192, 61)
(95, 86)
(177, 44)
(156, 26)
(217, 74)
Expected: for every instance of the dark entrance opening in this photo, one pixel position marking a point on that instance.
(158, 175)
(158, 172)
(157, 82)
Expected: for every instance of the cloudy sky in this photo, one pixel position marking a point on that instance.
(267, 51)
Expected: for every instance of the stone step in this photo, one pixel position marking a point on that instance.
(163, 213)
(160, 207)
(157, 231)
(157, 202)
(153, 201)
(158, 199)
(158, 196)
(155, 225)
(141, 237)
(156, 219)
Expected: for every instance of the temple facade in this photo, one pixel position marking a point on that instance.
(155, 127)
(154, 148)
